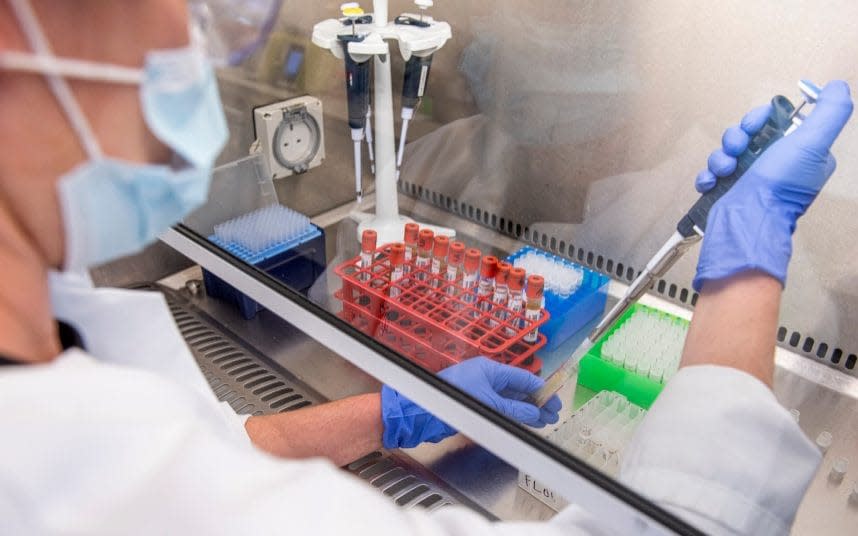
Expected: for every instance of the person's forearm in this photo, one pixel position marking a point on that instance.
(341, 431)
(734, 325)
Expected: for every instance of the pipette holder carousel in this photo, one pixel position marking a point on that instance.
(414, 39)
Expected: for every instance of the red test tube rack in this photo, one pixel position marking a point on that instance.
(430, 319)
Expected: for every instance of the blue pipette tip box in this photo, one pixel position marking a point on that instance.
(297, 262)
(569, 314)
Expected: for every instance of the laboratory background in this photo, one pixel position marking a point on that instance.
(562, 137)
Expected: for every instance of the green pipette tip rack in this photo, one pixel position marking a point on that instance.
(598, 374)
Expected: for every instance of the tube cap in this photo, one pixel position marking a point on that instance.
(472, 260)
(503, 273)
(397, 254)
(535, 286)
(457, 252)
(411, 230)
(442, 246)
(368, 241)
(425, 239)
(516, 278)
(489, 267)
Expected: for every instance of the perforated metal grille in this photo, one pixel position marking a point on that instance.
(395, 480)
(234, 373)
(807, 346)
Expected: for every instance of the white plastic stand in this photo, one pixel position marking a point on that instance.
(413, 40)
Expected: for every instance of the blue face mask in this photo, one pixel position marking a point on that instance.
(112, 208)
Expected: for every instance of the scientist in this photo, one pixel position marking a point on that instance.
(107, 424)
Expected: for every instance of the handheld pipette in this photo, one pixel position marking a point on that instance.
(414, 84)
(783, 120)
(413, 89)
(357, 92)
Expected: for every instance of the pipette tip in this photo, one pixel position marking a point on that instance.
(556, 381)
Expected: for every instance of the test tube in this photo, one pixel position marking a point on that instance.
(824, 441)
(838, 470)
(469, 273)
(501, 293)
(410, 240)
(533, 306)
(516, 299)
(488, 270)
(425, 240)
(397, 263)
(454, 265)
(367, 251)
(439, 259)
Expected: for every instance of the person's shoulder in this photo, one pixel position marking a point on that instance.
(76, 383)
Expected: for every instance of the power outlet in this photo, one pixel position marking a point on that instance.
(290, 136)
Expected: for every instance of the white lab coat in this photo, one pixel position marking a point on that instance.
(128, 439)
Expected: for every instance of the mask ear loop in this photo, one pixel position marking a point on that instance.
(59, 87)
(28, 62)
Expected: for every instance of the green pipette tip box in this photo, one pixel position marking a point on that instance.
(597, 374)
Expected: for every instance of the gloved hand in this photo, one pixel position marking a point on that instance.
(751, 227)
(501, 387)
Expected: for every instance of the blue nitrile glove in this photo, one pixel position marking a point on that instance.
(501, 387)
(751, 227)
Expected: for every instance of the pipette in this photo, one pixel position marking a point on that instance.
(783, 120)
(357, 92)
(414, 84)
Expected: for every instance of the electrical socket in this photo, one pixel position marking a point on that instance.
(290, 135)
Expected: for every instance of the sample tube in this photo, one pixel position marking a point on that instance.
(824, 441)
(469, 274)
(397, 263)
(410, 239)
(516, 299)
(454, 265)
(367, 251)
(533, 306)
(501, 293)
(425, 240)
(838, 470)
(439, 259)
(488, 271)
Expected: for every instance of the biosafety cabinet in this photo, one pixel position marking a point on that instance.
(558, 139)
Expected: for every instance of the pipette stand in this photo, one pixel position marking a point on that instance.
(413, 40)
